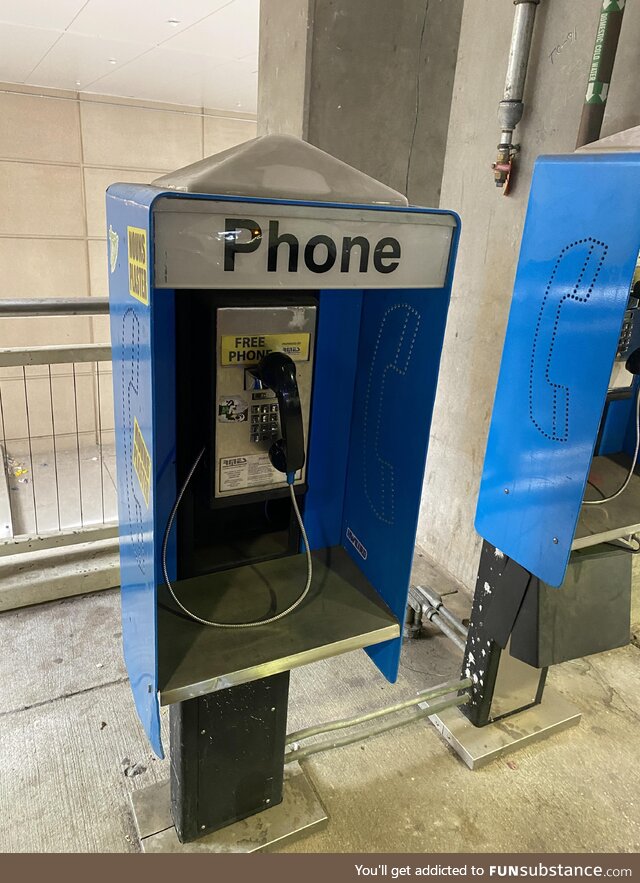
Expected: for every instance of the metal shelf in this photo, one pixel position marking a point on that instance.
(342, 612)
(610, 521)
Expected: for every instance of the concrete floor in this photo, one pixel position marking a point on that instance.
(71, 750)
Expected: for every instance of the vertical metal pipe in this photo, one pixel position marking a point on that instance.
(604, 56)
(511, 107)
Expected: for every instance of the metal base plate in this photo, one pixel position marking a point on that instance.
(299, 814)
(477, 746)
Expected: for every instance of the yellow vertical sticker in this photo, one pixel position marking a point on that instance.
(141, 461)
(138, 269)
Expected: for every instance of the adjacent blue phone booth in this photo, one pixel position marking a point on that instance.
(558, 486)
(577, 262)
(270, 257)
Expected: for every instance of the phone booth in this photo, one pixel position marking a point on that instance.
(559, 497)
(277, 320)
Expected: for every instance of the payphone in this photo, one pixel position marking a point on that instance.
(277, 320)
(254, 364)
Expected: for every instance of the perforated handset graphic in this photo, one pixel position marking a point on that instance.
(391, 359)
(572, 278)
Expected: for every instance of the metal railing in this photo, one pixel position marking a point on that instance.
(58, 481)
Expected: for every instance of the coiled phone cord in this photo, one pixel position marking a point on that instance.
(634, 461)
(234, 625)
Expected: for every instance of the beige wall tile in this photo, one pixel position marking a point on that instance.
(221, 133)
(133, 137)
(98, 268)
(101, 329)
(106, 401)
(96, 182)
(40, 200)
(99, 275)
(35, 331)
(37, 128)
(43, 268)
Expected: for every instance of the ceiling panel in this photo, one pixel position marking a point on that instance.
(129, 48)
(54, 14)
(140, 21)
(22, 49)
(161, 75)
(230, 33)
(77, 60)
(231, 87)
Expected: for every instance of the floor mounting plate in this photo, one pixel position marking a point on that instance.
(299, 814)
(477, 746)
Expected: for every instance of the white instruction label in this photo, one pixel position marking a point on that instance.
(253, 470)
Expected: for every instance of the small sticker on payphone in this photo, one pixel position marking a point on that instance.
(253, 471)
(232, 409)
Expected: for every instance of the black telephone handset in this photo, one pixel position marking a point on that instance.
(277, 371)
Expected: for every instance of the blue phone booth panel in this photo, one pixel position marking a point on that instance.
(579, 250)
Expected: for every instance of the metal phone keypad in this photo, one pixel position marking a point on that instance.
(265, 422)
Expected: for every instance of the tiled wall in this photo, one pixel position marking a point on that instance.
(58, 153)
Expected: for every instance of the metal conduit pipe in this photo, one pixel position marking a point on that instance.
(424, 696)
(436, 708)
(435, 618)
(459, 626)
(434, 600)
(511, 107)
(426, 604)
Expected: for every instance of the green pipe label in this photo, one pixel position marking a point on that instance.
(597, 93)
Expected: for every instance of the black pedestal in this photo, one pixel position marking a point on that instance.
(227, 755)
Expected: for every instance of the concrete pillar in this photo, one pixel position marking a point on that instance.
(492, 227)
(369, 81)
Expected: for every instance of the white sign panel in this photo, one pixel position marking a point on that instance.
(210, 244)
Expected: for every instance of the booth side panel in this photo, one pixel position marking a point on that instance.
(398, 360)
(163, 325)
(131, 353)
(578, 254)
(336, 360)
